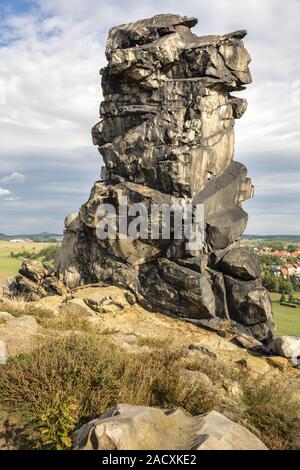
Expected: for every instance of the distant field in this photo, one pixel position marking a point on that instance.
(287, 319)
(10, 266)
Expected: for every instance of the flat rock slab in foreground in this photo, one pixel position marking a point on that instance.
(127, 427)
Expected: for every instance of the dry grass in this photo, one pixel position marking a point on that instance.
(273, 410)
(152, 342)
(75, 321)
(72, 317)
(19, 307)
(215, 369)
(74, 379)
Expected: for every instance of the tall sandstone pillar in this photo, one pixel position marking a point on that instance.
(166, 134)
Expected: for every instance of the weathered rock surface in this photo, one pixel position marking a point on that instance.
(127, 427)
(250, 305)
(255, 365)
(241, 263)
(224, 227)
(34, 282)
(230, 188)
(51, 304)
(105, 300)
(249, 343)
(166, 135)
(278, 362)
(172, 288)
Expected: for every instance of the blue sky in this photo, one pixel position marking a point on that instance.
(50, 54)
(15, 6)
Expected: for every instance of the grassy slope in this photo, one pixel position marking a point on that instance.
(287, 319)
(10, 266)
(165, 374)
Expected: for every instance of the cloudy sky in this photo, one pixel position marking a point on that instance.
(50, 54)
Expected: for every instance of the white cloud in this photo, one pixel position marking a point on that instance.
(52, 94)
(12, 198)
(14, 177)
(4, 192)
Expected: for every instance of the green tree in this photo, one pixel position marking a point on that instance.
(285, 286)
(270, 282)
(296, 283)
(277, 245)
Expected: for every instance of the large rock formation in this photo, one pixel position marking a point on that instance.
(166, 135)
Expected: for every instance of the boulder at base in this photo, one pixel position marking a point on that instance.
(286, 346)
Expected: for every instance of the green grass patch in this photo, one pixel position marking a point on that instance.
(287, 319)
(9, 266)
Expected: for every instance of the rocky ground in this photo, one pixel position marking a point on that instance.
(228, 370)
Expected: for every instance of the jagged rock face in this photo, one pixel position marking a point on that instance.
(167, 115)
(241, 264)
(34, 282)
(166, 135)
(171, 288)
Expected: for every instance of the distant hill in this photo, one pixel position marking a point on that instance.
(288, 238)
(46, 235)
(43, 235)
